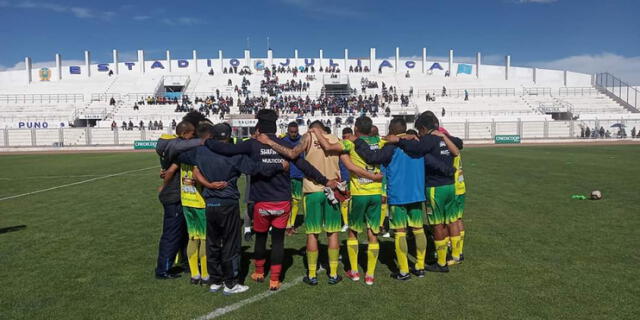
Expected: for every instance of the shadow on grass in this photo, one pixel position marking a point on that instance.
(13, 228)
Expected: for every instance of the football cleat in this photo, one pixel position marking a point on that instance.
(335, 280)
(215, 287)
(419, 273)
(310, 281)
(238, 288)
(400, 276)
(368, 280)
(274, 285)
(257, 277)
(355, 276)
(437, 268)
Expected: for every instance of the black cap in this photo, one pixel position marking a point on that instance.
(221, 131)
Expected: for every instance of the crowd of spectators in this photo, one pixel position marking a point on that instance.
(324, 105)
(602, 133)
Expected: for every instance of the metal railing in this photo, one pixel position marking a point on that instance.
(42, 98)
(473, 92)
(534, 91)
(619, 90)
(578, 91)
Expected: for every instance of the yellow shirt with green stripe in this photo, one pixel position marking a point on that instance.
(189, 190)
(458, 176)
(362, 186)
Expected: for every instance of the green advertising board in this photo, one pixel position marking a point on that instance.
(507, 139)
(145, 144)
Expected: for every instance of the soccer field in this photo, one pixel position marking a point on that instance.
(89, 243)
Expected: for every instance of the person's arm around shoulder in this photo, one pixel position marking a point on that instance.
(205, 183)
(346, 160)
(286, 152)
(325, 144)
(167, 175)
(312, 173)
(379, 156)
(450, 145)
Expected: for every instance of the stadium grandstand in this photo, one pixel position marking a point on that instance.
(121, 102)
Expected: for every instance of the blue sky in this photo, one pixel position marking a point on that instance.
(581, 35)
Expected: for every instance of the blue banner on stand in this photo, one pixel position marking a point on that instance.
(464, 68)
(172, 95)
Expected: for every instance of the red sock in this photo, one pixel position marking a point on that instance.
(275, 272)
(260, 265)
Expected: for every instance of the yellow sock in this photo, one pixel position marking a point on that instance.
(312, 261)
(192, 254)
(461, 240)
(203, 259)
(401, 252)
(344, 209)
(334, 254)
(441, 249)
(352, 249)
(372, 258)
(421, 248)
(295, 206)
(455, 247)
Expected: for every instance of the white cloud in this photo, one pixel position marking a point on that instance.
(625, 68)
(315, 8)
(141, 18)
(42, 64)
(79, 12)
(182, 21)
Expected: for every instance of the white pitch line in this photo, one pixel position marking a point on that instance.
(224, 310)
(66, 177)
(74, 183)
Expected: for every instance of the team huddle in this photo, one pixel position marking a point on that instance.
(359, 184)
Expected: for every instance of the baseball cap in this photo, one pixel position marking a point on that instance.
(221, 131)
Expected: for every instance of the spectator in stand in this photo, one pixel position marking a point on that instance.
(114, 125)
(466, 95)
(155, 125)
(135, 107)
(443, 112)
(444, 91)
(602, 132)
(587, 133)
(160, 125)
(150, 126)
(112, 102)
(582, 132)
(141, 125)
(110, 73)
(173, 124)
(633, 132)
(124, 125)
(447, 74)
(130, 125)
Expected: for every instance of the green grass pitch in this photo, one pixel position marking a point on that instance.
(88, 251)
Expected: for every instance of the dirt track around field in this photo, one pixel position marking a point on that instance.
(560, 143)
(470, 144)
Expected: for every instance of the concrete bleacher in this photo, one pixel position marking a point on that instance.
(497, 104)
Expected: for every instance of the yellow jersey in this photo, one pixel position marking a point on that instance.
(459, 176)
(190, 192)
(358, 185)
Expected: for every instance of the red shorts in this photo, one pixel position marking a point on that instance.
(270, 214)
